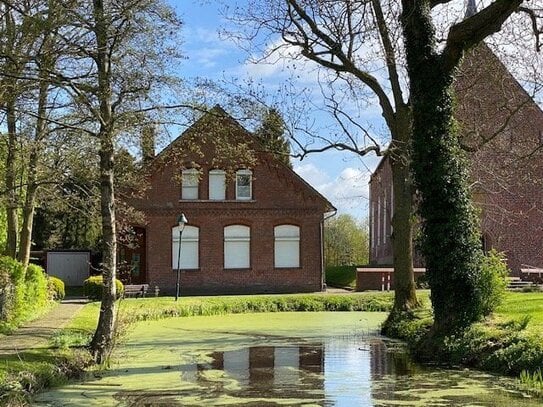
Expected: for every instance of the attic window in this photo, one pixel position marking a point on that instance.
(189, 184)
(217, 184)
(244, 185)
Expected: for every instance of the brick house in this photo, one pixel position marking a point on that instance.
(254, 225)
(502, 132)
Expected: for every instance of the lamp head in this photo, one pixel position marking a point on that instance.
(182, 220)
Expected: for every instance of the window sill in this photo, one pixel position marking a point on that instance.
(239, 269)
(288, 268)
(185, 270)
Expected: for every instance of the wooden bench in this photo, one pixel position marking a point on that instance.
(136, 290)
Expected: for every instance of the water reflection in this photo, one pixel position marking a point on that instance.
(338, 372)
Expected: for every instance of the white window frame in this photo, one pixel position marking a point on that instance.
(286, 240)
(220, 193)
(190, 247)
(239, 196)
(190, 183)
(237, 247)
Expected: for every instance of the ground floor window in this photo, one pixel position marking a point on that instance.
(287, 246)
(189, 258)
(237, 244)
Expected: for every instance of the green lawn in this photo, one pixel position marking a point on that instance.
(517, 305)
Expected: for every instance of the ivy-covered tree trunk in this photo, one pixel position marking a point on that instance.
(451, 242)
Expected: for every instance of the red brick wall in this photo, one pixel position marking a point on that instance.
(377, 280)
(502, 128)
(380, 206)
(279, 197)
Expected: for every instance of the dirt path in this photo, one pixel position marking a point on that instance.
(36, 334)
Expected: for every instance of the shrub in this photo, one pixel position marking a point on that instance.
(35, 286)
(23, 293)
(93, 287)
(493, 283)
(55, 288)
(341, 276)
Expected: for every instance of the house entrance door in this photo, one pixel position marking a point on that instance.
(132, 262)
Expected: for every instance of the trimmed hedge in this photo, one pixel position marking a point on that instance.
(23, 293)
(341, 276)
(55, 288)
(93, 287)
(158, 308)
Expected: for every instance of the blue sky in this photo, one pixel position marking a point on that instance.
(340, 176)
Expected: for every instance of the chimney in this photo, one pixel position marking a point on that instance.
(147, 143)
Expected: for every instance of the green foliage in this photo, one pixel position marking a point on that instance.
(271, 134)
(502, 348)
(55, 288)
(36, 286)
(23, 293)
(345, 241)
(27, 373)
(410, 327)
(341, 276)
(493, 283)
(533, 382)
(501, 345)
(93, 287)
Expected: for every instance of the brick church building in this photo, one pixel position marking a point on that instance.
(254, 225)
(502, 132)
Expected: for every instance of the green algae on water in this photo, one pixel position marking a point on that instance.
(306, 359)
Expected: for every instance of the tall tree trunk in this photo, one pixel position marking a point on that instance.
(9, 100)
(13, 199)
(399, 123)
(33, 162)
(103, 340)
(451, 244)
(405, 296)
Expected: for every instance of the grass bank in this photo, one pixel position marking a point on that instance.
(510, 342)
(133, 310)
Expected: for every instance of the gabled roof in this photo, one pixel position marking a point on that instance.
(483, 57)
(218, 113)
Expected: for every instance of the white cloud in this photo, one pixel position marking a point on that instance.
(348, 192)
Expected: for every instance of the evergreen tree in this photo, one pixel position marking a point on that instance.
(271, 134)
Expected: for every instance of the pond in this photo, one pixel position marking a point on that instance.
(302, 359)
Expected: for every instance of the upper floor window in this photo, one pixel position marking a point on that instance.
(188, 257)
(189, 183)
(237, 244)
(287, 246)
(217, 185)
(244, 185)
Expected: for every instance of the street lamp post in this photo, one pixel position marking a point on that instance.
(181, 221)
